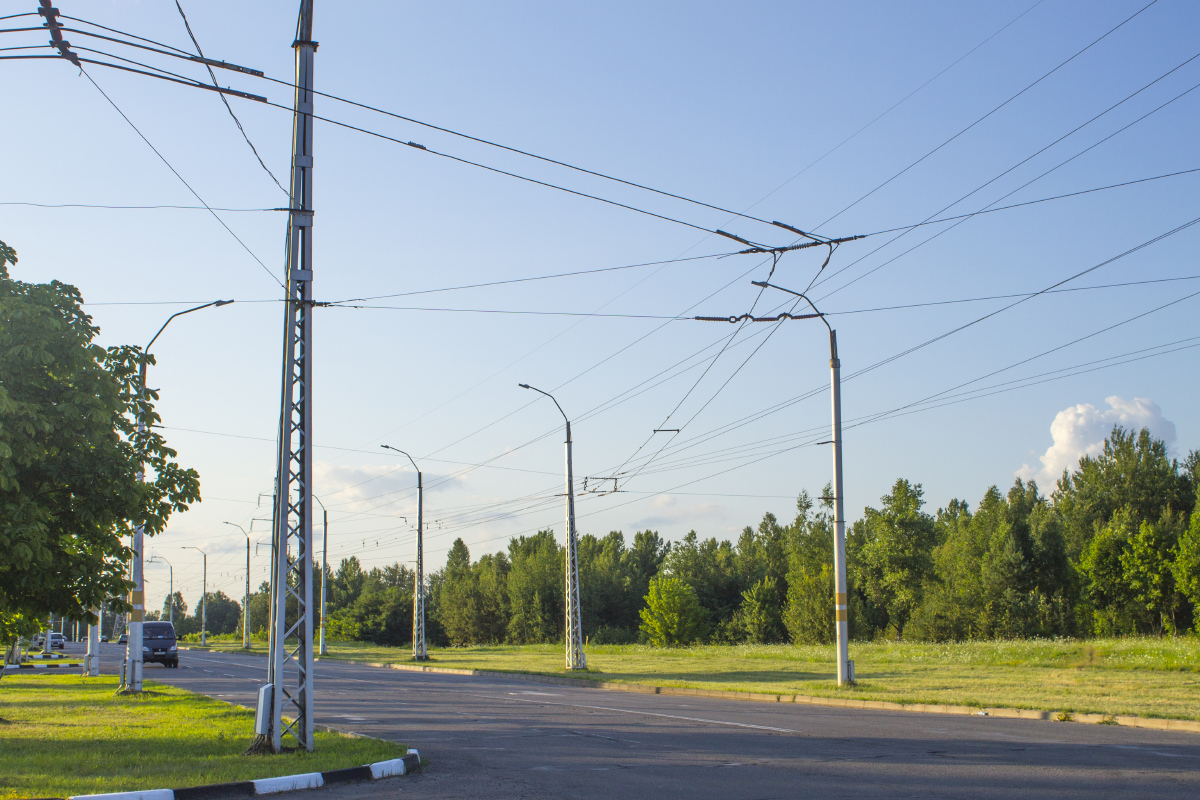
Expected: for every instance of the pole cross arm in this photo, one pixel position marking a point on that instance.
(752, 318)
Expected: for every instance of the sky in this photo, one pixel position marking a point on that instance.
(844, 119)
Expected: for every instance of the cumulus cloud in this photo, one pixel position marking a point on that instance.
(668, 511)
(367, 486)
(1081, 430)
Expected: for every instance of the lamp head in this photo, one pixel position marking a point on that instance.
(523, 385)
(223, 302)
(763, 284)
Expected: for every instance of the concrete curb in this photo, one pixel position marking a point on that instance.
(287, 783)
(42, 666)
(1128, 721)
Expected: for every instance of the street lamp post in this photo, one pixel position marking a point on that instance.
(246, 600)
(203, 596)
(132, 679)
(419, 652)
(845, 667)
(171, 596)
(575, 657)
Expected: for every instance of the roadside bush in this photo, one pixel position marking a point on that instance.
(672, 615)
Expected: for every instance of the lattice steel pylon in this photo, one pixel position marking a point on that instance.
(291, 658)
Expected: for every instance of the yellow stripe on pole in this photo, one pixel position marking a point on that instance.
(841, 615)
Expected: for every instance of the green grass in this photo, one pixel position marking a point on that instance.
(69, 735)
(1135, 676)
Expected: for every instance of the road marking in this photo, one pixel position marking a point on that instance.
(646, 714)
(540, 694)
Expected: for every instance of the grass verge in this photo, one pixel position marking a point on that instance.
(63, 735)
(1128, 676)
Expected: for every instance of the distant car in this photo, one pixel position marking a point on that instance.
(159, 645)
(57, 640)
(124, 639)
(104, 638)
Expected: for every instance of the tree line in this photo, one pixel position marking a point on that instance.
(1114, 549)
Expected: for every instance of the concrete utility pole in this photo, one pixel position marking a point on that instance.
(132, 679)
(418, 643)
(203, 596)
(171, 595)
(573, 638)
(91, 665)
(324, 568)
(290, 686)
(845, 665)
(246, 600)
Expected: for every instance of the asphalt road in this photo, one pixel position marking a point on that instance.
(492, 737)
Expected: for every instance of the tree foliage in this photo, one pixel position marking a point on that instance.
(70, 455)
(672, 615)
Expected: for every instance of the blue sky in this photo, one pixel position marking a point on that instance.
(759, 108)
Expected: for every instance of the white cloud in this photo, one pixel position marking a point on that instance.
(394, 488)
(1081, 430)
(668, 511)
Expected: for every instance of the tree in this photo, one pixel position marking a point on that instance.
(221, 613)
(672, 615)
(180, 610)
(1187, 560)
(535, 589)
(1147, 565)
(1110, 596)
(1133, 471)
(897, 553)
(70, 455)
(809, 612)
(759, 619)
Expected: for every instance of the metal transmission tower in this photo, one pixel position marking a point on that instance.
(845, 665)
(419, 652)
(291, 659)
(573, 635)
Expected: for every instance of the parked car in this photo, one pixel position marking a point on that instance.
(159, 645)
(57, 640)
(124, 639)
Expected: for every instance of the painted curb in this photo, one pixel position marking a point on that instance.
(42, 666)
(288, 783)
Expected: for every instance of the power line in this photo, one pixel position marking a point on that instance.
(186, 81)
(988, 114)
(1014, 205)
(1015, 303)
(1061, 164)
(898, 103)
(132, 208)
(506, 311)
(228, 108)
(535, 278)
(180, 177)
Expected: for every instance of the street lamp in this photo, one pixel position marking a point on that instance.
(203, 596)
(246, 601)
(171, 596)
(574, 628)
(419, 653)
(845, 666)
(132, 679)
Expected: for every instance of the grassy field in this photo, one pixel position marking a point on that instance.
(1144, 677)
(68, 735)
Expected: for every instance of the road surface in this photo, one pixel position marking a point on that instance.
(506, 738)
